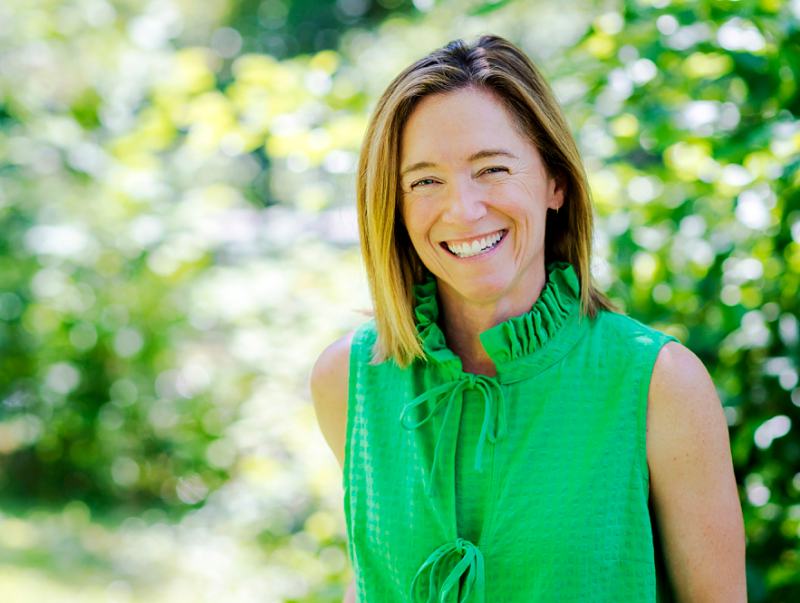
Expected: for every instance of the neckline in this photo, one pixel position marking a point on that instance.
(521, 346)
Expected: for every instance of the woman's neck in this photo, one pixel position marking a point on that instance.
(464, 321)
(462, 333)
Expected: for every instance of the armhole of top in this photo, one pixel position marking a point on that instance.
(357, 345)
(646, 376)
(664, 592)
(354, 361)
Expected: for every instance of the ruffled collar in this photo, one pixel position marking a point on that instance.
(520, 346)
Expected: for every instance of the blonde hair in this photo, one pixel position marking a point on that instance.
(393, 268)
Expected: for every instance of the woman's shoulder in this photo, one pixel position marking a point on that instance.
(329, 383)
(332, 362)
(332, 365)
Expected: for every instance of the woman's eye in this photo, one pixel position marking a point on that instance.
(422, 182)
(495, 170)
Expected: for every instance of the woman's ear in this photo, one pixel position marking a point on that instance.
(557, 192)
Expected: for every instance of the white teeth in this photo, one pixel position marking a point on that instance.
(466, 250)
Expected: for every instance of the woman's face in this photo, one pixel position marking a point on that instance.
(475, 195)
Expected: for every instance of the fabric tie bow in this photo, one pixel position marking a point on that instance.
(470, 564)
(447, 396)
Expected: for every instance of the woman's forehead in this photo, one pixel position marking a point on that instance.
(464, 125)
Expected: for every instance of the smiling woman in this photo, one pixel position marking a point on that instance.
(504, 433)
(525, 108)
(475, 211)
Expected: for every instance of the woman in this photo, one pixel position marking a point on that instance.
(505, 435)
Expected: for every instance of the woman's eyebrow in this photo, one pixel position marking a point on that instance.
(420, 165)
(483, 154)
(492, 153)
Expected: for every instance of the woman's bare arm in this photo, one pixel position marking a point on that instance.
(329, 379)
(692, 482)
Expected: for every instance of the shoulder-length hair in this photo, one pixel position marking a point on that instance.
(393, 267)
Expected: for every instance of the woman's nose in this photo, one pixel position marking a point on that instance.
(465, 202)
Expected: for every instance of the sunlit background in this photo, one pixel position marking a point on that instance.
(179, 243)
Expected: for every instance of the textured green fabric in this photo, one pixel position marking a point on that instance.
(530, 486)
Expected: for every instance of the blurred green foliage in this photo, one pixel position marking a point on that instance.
(178, 243)
(283, 28)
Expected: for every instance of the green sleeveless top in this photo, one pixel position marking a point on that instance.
(530, 486)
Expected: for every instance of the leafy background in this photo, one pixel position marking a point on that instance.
(179, 242)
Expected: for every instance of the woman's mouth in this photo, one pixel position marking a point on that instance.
(477, 246)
